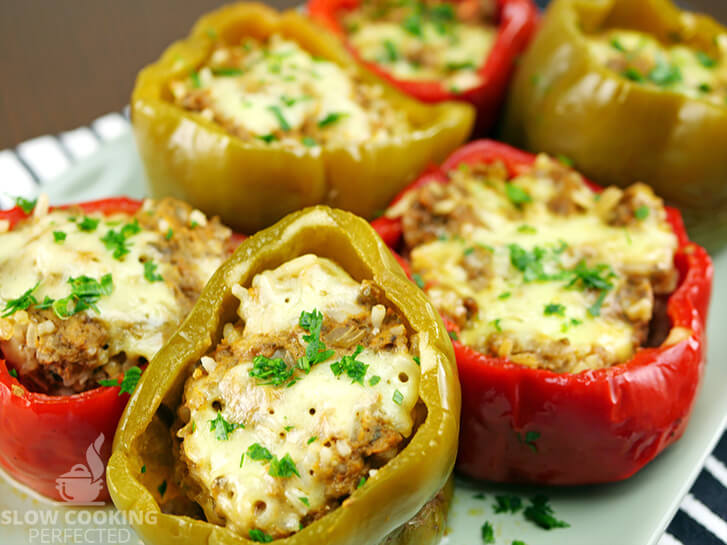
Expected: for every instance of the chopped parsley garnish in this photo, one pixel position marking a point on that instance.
(665, 74)
(304, 501)
(641, 213)
(487, 532)
(597, 278)
(260, 536)
(162, 488)
(463, 65)
(529, 439)
(225, 71)
(413, 24)
(46, 303)
(496, 324)
(417, 360)
(150, 272)
(541, 513)
(705, 88)
(312, 439)
(527, 229)
(26, 205)
(284, 125)
(355, 369)
(453, 335)
(170, 234)
(117, 241)
(504, 295)
(222, 427)
(617, 45)
(554, 309)
(316, 351)
(391, 53)
(85, 293)
(59, 236)
(507, 504)
(196, 82)
(21, 303)
(517, 195)
(528, 263)
(398, 397)
(128, 382)
(88, 225)
(705, 60)
(283, 468)
(374, 380)
(309, 142)
(468, 251)
(518, 542)
(267, 138)
(479, 496)
(288, 428)
(418, 280)
(361, 482)
(633, 75)
(331, 118)
(595, 309)
(259, 453)
(13, 373)
(567, 161)
(270, 371)
(143, 468)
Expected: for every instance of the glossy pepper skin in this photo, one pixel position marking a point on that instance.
(615, 130)
(41, 436)
(517, 21)
(533, 425)
(252, 184)
(388, 499)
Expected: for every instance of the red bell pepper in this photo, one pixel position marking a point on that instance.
(517, 21)
(534, 425)
(43, 437)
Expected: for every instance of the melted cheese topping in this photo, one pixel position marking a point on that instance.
(278, 92)
(137, 313)
(680, 68)
(422, 43)
(317, 420)
(515, 262)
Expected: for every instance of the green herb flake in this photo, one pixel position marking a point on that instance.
(260, 536)
(26, 205)
(391, 54)
(242, 459)
(479, 496)
(527, 229)
(59, 237)
(595, 309)
(117, 241)
(412, 23)
(487, 532)
(267, 138)
(85, 293)
(361, 482)
(634, 75)
(312, 439)
(259, 453)
(453, 335)
(529, 439)
(541, 513)
(196, 82)
(705, 60)
(227, 72)
(641, 213)
(464, 65)
(417, 360)
(162, 488)
(567, 161)
(270, 371)
(46, 303)
(554, 309)
(665, 74)
(143, 468)
(170, 234)
(504, 295)
(418, 280)
(309, 142)
(705, 88)
(275, 110)
(316, 351)
(331, 118)
(283, 468)
(150, 272)
(517, 195)
(496, 324)
(355, 369)
(374, 380)
(21, 303)
(518, 542)
(88, 225)
(130, 380)
(222, 427)
(304, 501)
(507, 504)
(398, 397)
(617, 45)
(13, 373)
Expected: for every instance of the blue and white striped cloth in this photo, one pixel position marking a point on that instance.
(36, 165)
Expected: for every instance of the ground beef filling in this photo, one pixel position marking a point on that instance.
(439, 213)
(66, 356)
(372, 443)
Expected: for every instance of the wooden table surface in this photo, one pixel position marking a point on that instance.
(65, 62)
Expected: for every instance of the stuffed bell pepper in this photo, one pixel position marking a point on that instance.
(88, 294)
(577, 314)
(628, 91)
(433, 50)
(257, 114)
(311, 397)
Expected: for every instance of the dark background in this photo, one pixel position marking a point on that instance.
(65, 62)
